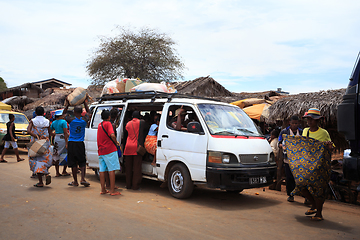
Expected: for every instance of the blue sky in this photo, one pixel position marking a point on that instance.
(247, 46)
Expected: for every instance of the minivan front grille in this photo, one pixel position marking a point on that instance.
(253, 158)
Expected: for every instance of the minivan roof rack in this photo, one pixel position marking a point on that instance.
(148, 95)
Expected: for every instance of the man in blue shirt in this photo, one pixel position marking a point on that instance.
(292, 130)
(76, 146)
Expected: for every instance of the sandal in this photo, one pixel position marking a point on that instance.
(65, 174)
(20, 159)
(104, 192)
(316, 219)
(37, 185)
(115, 193)
(48, 180)
(86, 184)
(73, 184)
(3, 161)
(310, 212)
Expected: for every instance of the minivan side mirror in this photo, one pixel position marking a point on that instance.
(194, 127)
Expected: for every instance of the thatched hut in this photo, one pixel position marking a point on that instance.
(326, 101)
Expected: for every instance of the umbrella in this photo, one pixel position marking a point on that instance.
(258, 111)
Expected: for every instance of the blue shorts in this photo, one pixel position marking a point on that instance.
(109, 162)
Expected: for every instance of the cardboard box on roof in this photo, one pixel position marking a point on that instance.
(130, 83)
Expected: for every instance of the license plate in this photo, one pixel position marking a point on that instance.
(23, 138)
(257, 180)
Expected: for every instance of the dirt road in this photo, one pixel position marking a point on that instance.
(58, 211)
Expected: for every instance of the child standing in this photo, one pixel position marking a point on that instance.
(10, 138)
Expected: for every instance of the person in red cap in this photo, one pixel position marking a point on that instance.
(313, 117)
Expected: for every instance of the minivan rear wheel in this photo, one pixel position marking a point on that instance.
(179, 181)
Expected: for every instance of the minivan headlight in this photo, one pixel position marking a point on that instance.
(225, 158)
(218, 157)
(215, 157)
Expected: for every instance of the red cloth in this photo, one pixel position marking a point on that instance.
(105, 145)
(132, 127)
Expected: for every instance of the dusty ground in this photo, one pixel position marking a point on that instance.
(58, 211)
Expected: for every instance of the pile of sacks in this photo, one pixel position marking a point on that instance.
(135, 85)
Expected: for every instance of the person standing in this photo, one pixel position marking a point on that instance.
(316, 199)
(39, 128)
(292, 130)
(10, 138)
(107, 150)
(60, 141)
(76, 146)
(134, 137)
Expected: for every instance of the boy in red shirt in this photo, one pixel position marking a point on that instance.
(107, 150)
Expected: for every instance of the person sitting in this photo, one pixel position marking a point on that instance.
(179, 123)
(151, 138)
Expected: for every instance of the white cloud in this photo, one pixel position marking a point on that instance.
(243, 43)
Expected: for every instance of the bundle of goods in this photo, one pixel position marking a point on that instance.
(120, 85)
(38, 147)
(159, 87)
(135, 85)
(77, 97)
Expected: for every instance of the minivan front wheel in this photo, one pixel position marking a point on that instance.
(179, 181)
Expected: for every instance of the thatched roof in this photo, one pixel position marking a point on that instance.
(326, 101)
(202, 86)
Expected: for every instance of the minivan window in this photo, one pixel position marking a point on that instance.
(20, 119)
(227, 120)
(97, 115)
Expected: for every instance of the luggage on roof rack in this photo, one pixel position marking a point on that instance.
(148, 95)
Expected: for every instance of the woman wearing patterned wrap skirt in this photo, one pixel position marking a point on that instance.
(39, 128)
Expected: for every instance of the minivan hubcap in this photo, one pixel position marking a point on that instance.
(177, 181)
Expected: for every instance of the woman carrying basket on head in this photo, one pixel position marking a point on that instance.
(39, 128)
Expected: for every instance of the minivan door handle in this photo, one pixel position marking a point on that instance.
(165, 136)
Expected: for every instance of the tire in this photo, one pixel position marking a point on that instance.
(97, 173)
(179, 181)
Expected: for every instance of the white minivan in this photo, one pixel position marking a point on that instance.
(221, 148)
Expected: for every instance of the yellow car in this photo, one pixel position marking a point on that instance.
(21, 124)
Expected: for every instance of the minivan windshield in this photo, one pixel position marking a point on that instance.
(21, 119)
(228, 120)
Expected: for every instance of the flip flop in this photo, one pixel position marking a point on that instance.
(104, 192)
(58, 175)
(86, 184)
(316, 219)
(48, 180)
(36, 185)
(65, 174)
(115, 193)
(73, 184)
(310, 212)
(21, 159)
(3, 161)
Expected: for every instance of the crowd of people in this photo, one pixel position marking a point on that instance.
(140, 132)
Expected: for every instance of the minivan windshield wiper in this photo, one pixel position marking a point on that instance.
(224, 132)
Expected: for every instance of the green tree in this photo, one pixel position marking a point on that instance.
(147, 54)
(3, 85)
